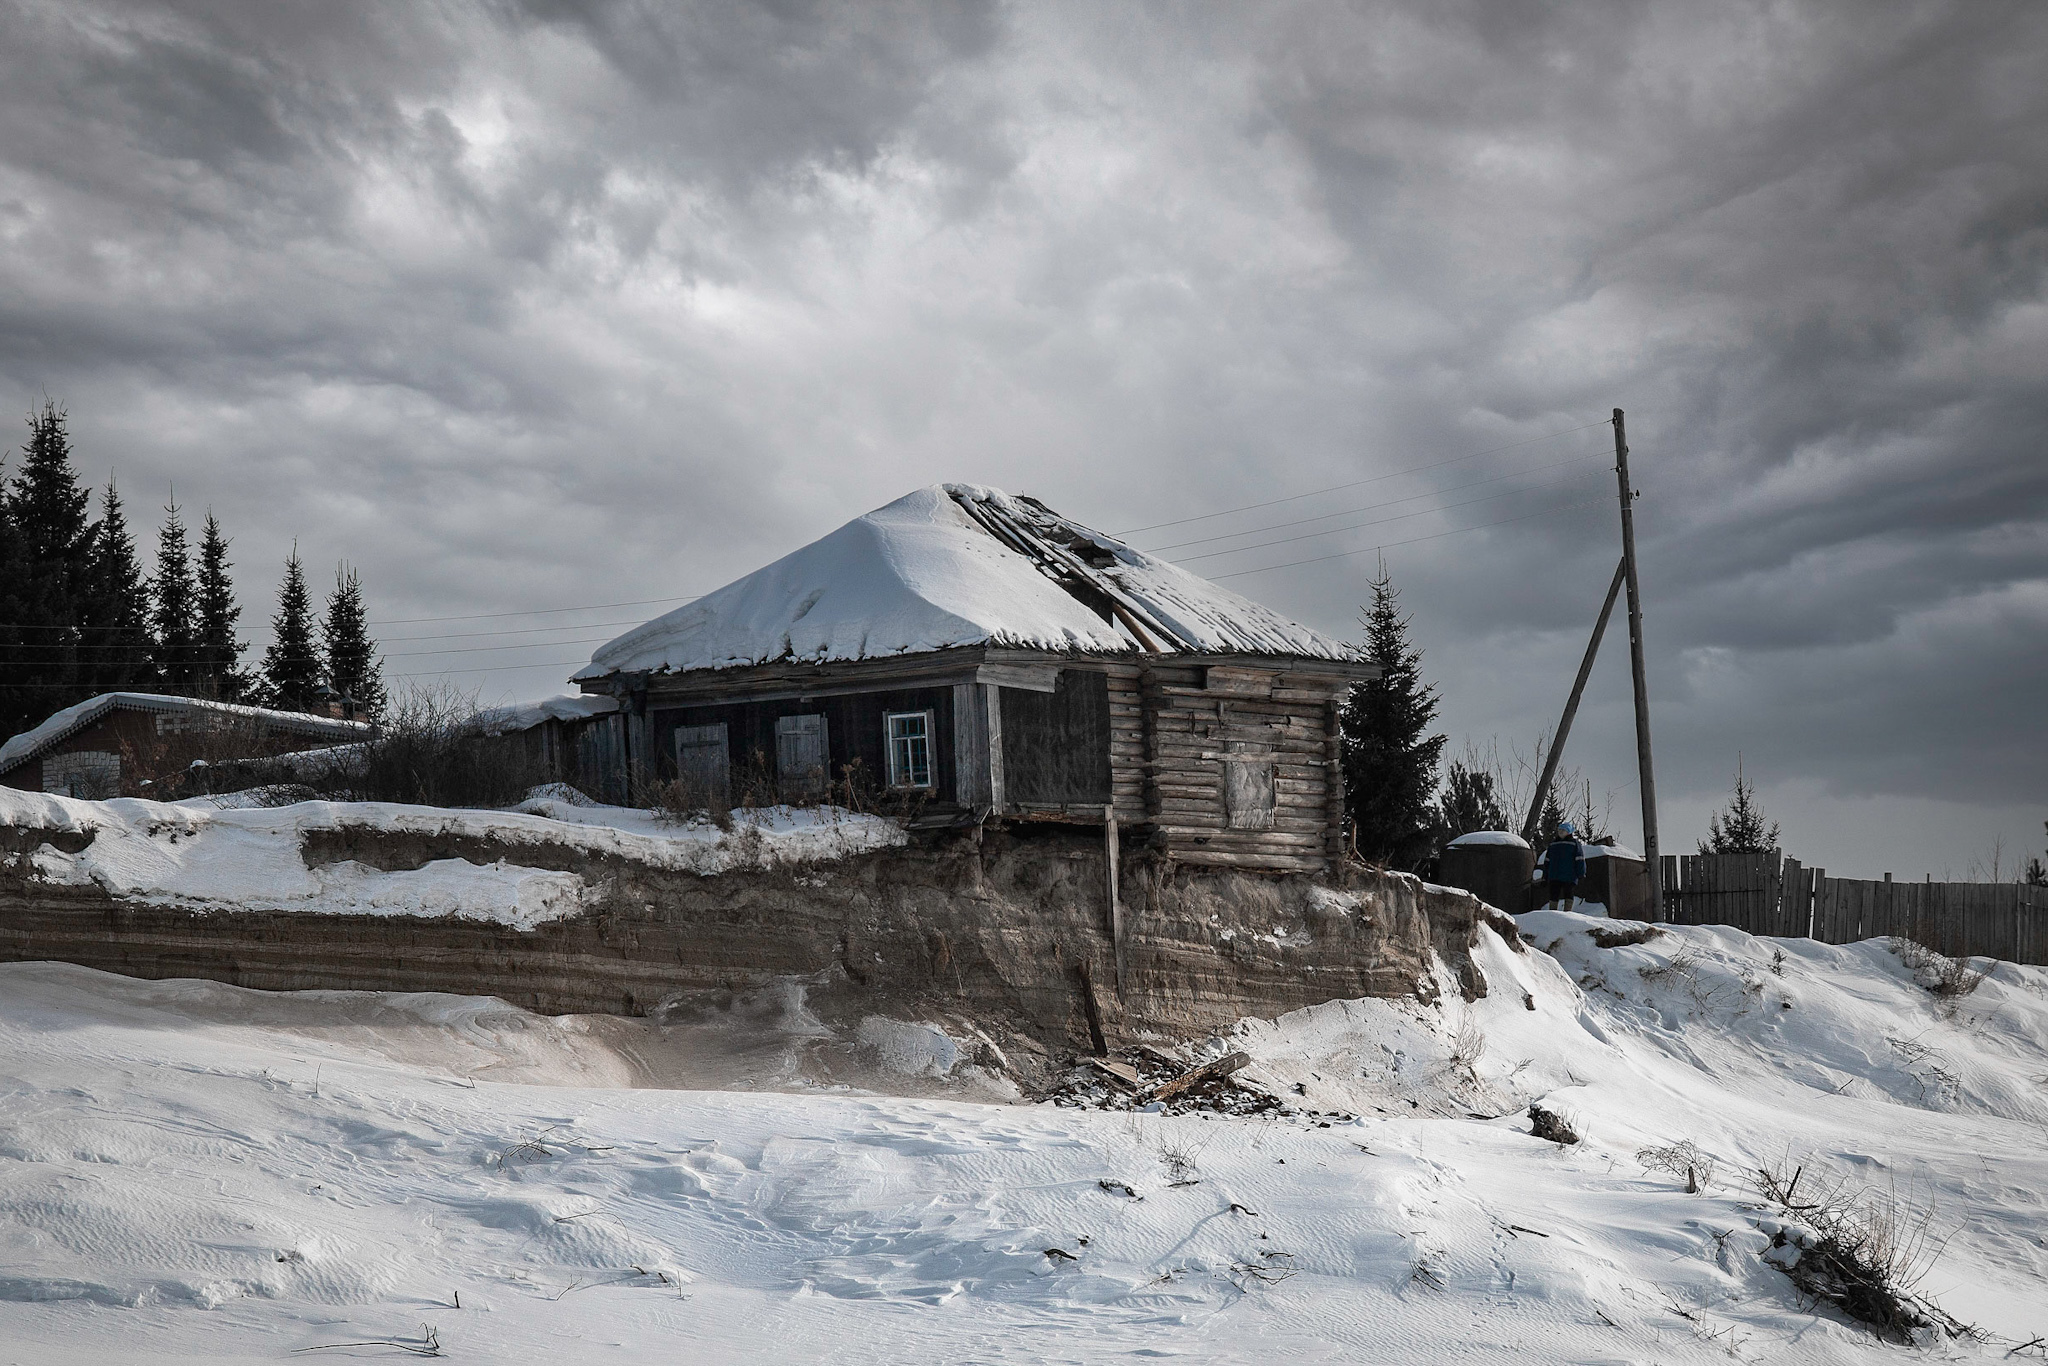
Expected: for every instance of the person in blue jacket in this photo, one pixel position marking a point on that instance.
(1564, 864)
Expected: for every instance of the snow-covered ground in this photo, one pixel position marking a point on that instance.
(194, 1173)
(223, 852)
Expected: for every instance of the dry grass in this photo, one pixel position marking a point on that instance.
(1681, 1161)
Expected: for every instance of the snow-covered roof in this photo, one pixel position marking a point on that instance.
(951, 565)
(77, 717)
(1479, 837)
(526, 715)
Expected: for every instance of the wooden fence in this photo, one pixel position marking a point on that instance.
(1772, 895)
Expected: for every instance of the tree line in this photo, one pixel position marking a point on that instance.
(79, 617)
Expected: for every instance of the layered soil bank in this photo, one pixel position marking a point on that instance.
(1008, 931)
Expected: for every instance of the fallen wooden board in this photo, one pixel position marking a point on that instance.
(1120, 1072)
(1208, 1071)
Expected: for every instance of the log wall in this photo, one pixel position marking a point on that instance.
(1174, 739)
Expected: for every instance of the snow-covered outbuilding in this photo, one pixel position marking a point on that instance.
(119, 742)
(975, 655)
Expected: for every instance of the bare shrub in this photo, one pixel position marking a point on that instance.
(1178, 1155)
(1859, 1249)
(682, 800)
(1681, 1161)
(1270, 1268)
(1682, 970)
(1468, 1046)
(433, 751)
(434, 747)
(1949, 978)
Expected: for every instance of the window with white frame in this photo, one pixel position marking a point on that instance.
(910, 748)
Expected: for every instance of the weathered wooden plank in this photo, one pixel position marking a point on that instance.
(1273, 863)
(1307, 754)
(1310, 697)
(1179, 826)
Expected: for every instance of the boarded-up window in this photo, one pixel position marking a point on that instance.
(704, 765)
(1248, 787)
(1056, 744)
(802, 759)
(88, 773)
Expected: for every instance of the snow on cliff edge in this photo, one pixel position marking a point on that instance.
(199, 855)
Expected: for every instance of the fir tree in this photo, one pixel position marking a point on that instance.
(220, 653)
(1740, 827)
(14, 716)
(52, 552)
(48, 505)
(1468, 803)
(174, 608)
(353, 669)
(1390, 758)
(2037, 873)
(116, 652)
(291, 665)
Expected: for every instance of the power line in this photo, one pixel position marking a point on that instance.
(1374, 507)
(1378, 521)
(496, 668)
(517, 631)
(492, 649)
(1356, 483)
(536, 612)
(1417, 540)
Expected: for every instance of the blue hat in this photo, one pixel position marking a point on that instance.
(1566, 828)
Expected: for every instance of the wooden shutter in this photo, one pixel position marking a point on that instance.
(802, 759)
(704, 765)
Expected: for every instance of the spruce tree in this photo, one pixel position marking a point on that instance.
(1740, 827)
(1468, 803)
(174, 603)
(14, 715)
(115, 648)
(353, 669)
(1390, 758)
(53, 549)
(291, 665)
(220, 653)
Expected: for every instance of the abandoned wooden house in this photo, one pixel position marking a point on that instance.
(966, 655)
(127, 743)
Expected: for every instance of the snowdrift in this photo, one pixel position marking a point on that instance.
(191, 1172)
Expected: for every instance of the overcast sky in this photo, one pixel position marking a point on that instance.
(547, 305)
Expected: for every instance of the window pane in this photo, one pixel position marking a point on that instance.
(910, 761)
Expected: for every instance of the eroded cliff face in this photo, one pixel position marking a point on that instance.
(1005, 933)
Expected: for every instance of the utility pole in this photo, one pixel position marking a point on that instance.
(1571, 706)
(1646, 773)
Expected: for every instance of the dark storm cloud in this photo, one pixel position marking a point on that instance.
(537, 304)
